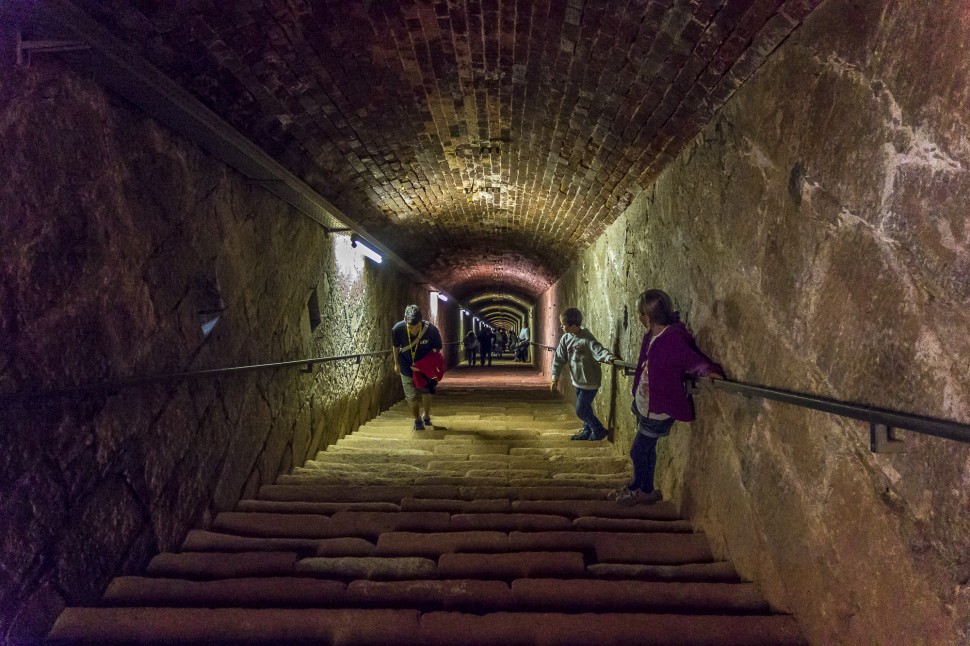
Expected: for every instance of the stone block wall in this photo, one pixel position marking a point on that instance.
(119, 241)
(814, 236)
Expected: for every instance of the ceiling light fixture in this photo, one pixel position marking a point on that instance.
(366, 251)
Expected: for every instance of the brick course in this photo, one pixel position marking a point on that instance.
(485, 142)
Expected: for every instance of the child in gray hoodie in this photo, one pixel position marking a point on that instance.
(580, 349)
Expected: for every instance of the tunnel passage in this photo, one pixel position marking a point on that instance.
(793, 172)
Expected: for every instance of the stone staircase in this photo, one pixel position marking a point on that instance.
(493, 528)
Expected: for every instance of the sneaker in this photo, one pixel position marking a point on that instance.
(632, 497)
(427, 420)
(418, 425)
(582, 435)
(596, 437)
(622, 491)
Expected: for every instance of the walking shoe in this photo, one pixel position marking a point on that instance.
(418, 425)
(427, 420)
(632, 497)
(616, 493)
(596, 437)
(582, 435)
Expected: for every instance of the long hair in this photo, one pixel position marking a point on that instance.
(658, 307)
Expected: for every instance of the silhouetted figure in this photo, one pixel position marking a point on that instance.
(471, 347)
(485, 337)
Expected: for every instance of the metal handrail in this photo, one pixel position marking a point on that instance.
(111, 386)
(883, 422)
(551, 348)
(877, 417)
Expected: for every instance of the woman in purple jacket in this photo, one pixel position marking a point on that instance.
(668, 352)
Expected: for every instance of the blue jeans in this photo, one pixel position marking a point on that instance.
(584, 411)
(643, 453)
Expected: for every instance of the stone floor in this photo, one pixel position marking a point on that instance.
(491, 528)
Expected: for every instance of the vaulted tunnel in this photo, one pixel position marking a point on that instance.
(189, 186)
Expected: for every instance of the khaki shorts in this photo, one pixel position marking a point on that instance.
(410, 392)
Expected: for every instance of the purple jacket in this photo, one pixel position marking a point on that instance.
(673, 355)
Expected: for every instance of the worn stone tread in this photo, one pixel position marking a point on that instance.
(375, 493)
(345, 546)
(598, 508)
(444, 594)
(494, 505)
(435, 544)
(298, 507)
(289, 592)
(278, 525)
(370, 567)
(513, 565)
(721, 571)
(221, 565)
(617, 629)
(235, 625)
(509, 522)
(199, 540)
(631, 525)
(661, 548)
(374, 523)
(586, 595)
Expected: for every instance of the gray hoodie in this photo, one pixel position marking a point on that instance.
(584, 354)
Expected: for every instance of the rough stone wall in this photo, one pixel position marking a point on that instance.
(814, 235)
(114, 235)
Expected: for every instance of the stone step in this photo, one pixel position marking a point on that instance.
(511, 565)
(497, 537)
(342, 524)
(490, 528)
(394, 494)
(444, 628)
(380, 463)
(580, 595)
(234, 625)
(362, 626)
(378, 568)
(721, 571)
(607, 481)
(222, 565)
(265, 592)
(273, 506)
(199, 540)
(268, 528)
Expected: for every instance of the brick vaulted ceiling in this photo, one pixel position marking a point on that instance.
(486, 142)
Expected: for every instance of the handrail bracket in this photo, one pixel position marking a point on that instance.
(884, 439)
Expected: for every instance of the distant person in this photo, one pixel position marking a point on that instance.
(485, 338)
(583, 353)
(522, 347)
(502, 341)
(414, 339)
(668, 353)
(471, 347)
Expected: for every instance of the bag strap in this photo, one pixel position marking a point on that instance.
(411, 346)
